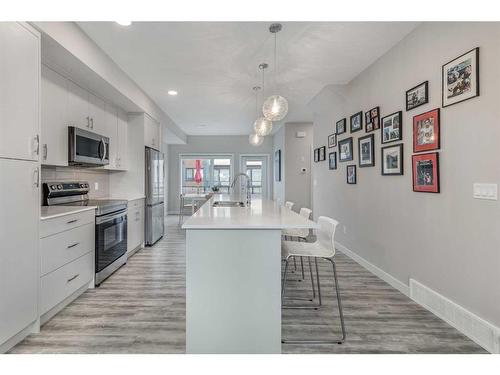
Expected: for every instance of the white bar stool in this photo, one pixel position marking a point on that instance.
(301, 235)
(323, 247)
(183, 205)
(289, 205)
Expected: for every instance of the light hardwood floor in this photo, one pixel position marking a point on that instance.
(141, 309)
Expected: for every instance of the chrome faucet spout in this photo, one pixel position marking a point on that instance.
(249, 195)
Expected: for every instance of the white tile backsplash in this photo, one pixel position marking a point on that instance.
(80, 174)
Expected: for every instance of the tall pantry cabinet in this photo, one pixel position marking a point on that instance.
(19, 181)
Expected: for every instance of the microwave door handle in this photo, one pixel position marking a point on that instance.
(104, 149)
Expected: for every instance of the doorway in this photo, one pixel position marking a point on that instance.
(256, 167)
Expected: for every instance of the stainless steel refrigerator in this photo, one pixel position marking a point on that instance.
(155, 194)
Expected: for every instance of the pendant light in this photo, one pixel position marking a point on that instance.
(262, 126)
(275, 107)
(255, 139)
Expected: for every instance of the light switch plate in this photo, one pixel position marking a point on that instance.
(96, 186)
(485, 191)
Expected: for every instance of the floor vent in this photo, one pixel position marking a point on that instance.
(471, 325)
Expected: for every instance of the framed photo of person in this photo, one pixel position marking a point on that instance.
(392, 160)
(351, 174)
(340, 126)
(460, 78)
(332, 140)
(426, 134)
(417, 96)
(277, 165)
(345, 149)
(368, 119)
(322, 153)
(392, 127)
(366, 151)
(426, 172)
(356, 122)
(316, 155)
(332, 160)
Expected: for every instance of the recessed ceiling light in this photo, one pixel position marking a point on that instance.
(172, 92)
(124, 23)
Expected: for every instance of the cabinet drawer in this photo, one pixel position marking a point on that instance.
(136, 203)
(62, 248)
(61, 283)
(59, 224)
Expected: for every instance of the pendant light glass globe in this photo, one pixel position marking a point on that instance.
(255, 139)
(263, 126)
(275, 108)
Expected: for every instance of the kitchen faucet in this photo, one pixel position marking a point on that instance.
(249, 196)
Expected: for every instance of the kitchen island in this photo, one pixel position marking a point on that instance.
(233, 275)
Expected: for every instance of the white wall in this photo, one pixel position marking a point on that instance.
(232, 144)
(448, 241)
(298, 156)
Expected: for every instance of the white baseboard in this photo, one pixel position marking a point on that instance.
(477, 329)
(389, 279)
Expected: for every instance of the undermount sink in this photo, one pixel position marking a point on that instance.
(228, 204)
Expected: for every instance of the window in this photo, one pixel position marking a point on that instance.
(215, 172)
(254, 171)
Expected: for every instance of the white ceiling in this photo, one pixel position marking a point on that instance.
(214, 65)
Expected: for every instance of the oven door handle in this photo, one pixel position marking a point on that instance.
(105, 219)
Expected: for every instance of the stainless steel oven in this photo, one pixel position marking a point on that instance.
(86, 148)
(110, 243)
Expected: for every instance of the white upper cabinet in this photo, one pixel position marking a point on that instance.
(54, 134)
(151, 133)
(98, 118)
(19, 91)
(78, 106)
(111, 130)
(122, 133)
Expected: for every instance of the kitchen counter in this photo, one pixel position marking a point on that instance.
(233, 276)
(262, 214)
(50, 212)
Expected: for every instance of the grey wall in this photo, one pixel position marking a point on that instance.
(298, 156)
(448, 241)
(234, 144)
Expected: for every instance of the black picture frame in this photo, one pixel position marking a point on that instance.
(348, 142)
(277, 165)
(316, 155)
(332, 160)
(474, 89)
(353, 118)
(391, 138)
(332, 140)
(322, 153)
(340, 126)
(351, 181)
(368, 119)
(412, 92)
(399, 171)
(371, 151)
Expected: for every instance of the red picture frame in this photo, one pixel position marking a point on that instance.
(426, 131)
(426, 172)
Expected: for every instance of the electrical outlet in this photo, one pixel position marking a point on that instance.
(96, 186)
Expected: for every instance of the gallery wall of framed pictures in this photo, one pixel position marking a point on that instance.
(460, 82)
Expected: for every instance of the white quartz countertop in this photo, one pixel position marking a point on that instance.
(262, 214)
(50, 212)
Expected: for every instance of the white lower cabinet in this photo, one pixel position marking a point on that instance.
(19, 248)
(66, 260)
(135, 225)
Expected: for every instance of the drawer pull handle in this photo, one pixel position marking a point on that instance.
(72, 221)
(72, 278)
(73, 245)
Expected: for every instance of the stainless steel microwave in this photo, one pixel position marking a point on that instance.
(86, 148)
